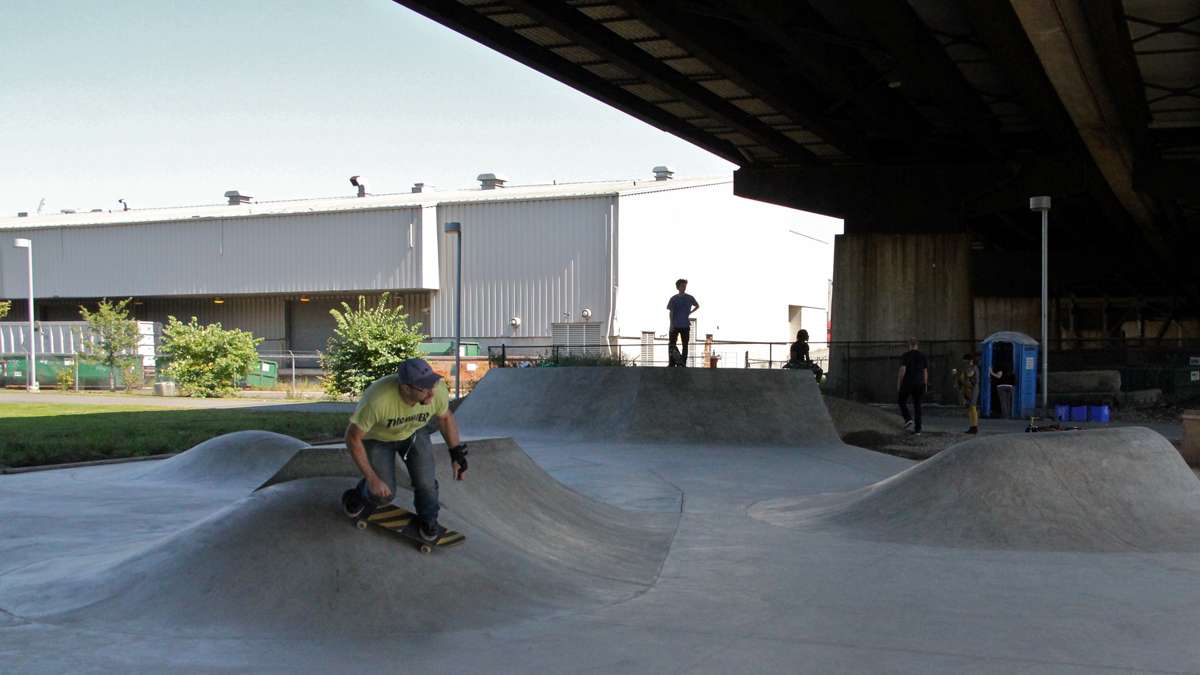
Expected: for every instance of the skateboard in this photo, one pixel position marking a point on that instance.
(404, 523)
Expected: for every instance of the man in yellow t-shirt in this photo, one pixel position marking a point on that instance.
(395, 416)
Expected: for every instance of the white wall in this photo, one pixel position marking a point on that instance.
(539, 260)
(348, 250)
(745, 261)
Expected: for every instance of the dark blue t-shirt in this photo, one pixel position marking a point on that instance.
(681, 309)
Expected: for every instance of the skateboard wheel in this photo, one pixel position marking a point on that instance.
(426, 548)
(362, 524)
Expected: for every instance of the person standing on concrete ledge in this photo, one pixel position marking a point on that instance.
(967, 379)
(911, 381)
(681, 305)
(395, 416)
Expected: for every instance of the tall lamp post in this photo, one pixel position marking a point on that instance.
(1042, 204)
(456, 228)
(28, 246)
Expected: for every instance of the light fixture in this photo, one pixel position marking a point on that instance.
(305, 298)
(218, 300)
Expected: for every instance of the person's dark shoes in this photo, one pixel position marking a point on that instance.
(430, 531)
(973, 430)
(352, 504)
(907, 424)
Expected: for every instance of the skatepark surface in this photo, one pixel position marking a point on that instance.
(632, 520)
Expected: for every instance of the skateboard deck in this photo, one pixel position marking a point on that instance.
(404, 523)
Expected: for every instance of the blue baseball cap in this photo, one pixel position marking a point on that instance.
(417, 373)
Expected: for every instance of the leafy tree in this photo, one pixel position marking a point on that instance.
(5, 306)
(206, 361)
(114, 337)
(367, 344)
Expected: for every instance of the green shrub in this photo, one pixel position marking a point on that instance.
(114, 337)
(65, 379)
(5, 307)
(367, 344)
(207, 361)
(558, 359)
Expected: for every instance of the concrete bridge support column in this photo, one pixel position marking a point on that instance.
(888, 287)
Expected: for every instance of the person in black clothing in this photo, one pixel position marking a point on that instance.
(911, 381)
(799, 354)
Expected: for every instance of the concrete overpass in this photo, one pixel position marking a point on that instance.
(926, 125)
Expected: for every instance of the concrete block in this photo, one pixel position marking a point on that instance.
(166, 388)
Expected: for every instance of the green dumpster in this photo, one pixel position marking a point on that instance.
(446, 348)
(265, 376)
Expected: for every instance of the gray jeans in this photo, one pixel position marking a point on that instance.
(416, 452)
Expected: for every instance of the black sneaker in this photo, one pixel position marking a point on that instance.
(908, 424)
(430, 531)
(352, 504)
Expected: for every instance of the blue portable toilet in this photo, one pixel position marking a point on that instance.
(1017, 355)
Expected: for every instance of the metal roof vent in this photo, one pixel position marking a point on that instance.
(418, 187)
(662, 173)
(236, 198)
(489, 181)
(360, 183)
(22, 214)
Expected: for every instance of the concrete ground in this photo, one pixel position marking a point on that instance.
(630, 528)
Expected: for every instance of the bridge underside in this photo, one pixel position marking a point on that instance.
(915, 116)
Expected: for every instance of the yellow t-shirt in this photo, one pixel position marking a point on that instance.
(384, 416)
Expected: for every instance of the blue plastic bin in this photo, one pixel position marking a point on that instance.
(1062, 413)
(1079, 413)
(1098, 413)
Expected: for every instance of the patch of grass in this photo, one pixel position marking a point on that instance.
(33, 434)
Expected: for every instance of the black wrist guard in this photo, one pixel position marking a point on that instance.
(458, 455)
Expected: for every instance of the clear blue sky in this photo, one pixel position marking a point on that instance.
(167, 102)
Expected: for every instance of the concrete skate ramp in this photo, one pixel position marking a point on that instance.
(1109, 490)
(285, 561)
(238, 459)
(717, 405)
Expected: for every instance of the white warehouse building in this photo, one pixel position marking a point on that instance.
(574, 263)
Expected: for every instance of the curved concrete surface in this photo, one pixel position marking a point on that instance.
(105, 570)
(284, 561)
(242, 459)
(1123, 489)
(685, 405)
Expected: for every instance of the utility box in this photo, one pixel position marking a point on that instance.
(1016, 356)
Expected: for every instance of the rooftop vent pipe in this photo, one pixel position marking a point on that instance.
(489, 181)
(360, 183)
(236, 198)
(418, 187)
(662, 173)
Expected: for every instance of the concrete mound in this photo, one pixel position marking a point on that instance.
(1109, 490)
(717, 405)
(238, 459)
(284, 561)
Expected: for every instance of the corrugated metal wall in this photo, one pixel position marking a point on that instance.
(359, 250)
(543, 261)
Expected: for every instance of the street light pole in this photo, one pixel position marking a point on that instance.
(1043, 204)
(456, 228)
(32, 366)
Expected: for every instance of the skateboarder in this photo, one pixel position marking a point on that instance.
(395, 416)
(967, 379)
(911, 381)
(681, 305)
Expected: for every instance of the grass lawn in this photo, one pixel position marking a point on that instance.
(38, 433)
